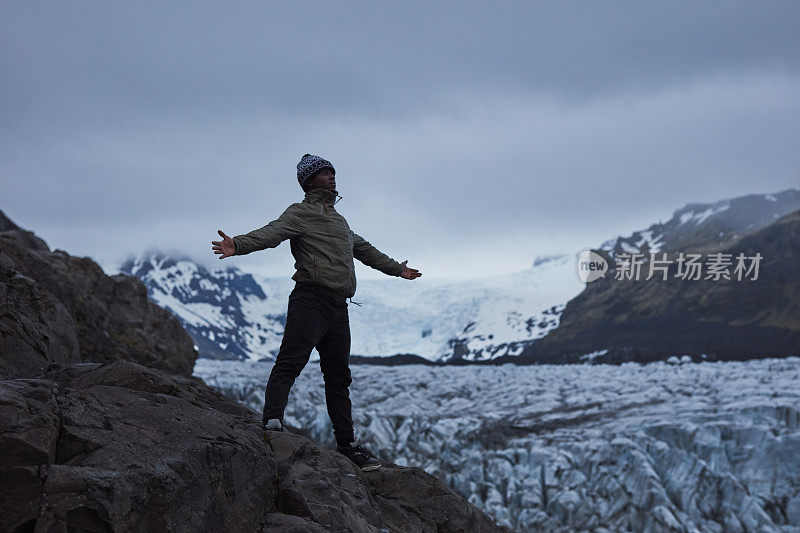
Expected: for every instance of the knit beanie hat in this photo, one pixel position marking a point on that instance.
(308, 166)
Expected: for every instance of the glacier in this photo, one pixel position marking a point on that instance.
(666, 446)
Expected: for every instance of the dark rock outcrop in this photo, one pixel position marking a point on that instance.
(392, 360)
(114, 445)
(117, 446)
(35, 328)
(113, 317)
(121, 447)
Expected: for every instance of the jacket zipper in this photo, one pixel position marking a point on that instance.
(316, 273)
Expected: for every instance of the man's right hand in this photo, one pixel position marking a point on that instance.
(226, 247)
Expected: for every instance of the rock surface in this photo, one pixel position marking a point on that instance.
(35, 328)
(122, 447)
(113, 318)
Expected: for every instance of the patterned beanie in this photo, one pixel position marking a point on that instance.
(308, 166)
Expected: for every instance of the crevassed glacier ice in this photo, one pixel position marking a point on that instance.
(712, 446)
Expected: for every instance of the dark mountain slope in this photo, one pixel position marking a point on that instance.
(639, 320)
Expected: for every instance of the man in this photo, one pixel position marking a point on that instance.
(323, 246)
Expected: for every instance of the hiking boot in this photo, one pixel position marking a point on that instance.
(274, 424)
(360, 455)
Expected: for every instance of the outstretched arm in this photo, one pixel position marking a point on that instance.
(372, 257)
(289, 224)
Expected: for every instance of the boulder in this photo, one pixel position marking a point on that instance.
(410, 499)
(35, 328)
(113, 317)
(117, 446)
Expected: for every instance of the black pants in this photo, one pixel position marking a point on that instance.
(314, 320)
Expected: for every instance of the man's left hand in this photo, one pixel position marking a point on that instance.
(409, 273)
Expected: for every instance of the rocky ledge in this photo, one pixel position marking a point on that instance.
(92, 316)
(117, 446)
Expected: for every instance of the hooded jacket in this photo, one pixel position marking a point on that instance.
(322, 243)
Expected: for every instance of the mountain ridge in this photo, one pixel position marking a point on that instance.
(235, 315)
(725, 319)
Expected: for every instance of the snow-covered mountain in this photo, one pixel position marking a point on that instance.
(235, 315)
(230, 314)
(712, 224)
(615, 320)
(452, 321)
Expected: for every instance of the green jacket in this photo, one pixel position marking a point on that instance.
(322, 243)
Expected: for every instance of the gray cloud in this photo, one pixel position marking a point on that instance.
(467, 138)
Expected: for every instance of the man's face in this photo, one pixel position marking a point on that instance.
(324, 179)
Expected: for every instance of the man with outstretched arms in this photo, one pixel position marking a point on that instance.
(323, 246)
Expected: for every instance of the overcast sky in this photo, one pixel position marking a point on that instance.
(468, 137)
